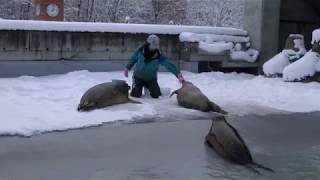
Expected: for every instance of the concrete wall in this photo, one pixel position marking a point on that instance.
(262, 22)
(50, 45)
(50, 52)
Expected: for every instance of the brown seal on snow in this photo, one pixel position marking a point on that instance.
(105, 94)
(189, 96)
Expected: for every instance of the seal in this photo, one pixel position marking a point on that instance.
(189, 96)
(105, 94)
(227, 142)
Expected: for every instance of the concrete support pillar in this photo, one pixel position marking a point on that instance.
(261, 20)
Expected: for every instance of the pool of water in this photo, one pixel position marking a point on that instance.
(287, 143)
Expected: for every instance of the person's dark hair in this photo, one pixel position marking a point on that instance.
(148, 55)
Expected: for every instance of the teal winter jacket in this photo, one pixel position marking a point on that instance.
(148, 71)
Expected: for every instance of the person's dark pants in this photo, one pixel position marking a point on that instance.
(151, 85)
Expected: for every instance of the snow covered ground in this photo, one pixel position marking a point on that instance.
(32, 105)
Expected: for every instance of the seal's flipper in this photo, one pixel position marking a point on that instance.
(253, 169)
(174, 92)
(263, 167)
(134, 102)
(207, 142)
(216, 108)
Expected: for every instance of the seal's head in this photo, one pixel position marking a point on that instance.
(121, 85)
(185, 83)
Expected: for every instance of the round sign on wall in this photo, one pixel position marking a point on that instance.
(53, 10)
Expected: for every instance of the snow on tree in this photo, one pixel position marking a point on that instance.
(226, 13)
(72, 10)
(15, 9)
(165, 11)
(112, 8)
(139, 11)
(92, 10)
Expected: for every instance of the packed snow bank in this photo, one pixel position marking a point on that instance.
(114, 27)
(276, 64)
(305, 67)
(31, 105)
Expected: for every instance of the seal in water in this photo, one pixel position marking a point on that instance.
(189, 96)
(105, 94)
(227, 142)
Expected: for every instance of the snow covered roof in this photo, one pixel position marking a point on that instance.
(114, 27)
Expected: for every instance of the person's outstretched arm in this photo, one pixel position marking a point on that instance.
(164, 61)
(132, 61)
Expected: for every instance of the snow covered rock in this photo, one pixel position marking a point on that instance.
(316, 47)
(302, 69)
(316, 41)
(295, 42)
(275, 65)
(315, 36)
(293, 51)
(308, 66)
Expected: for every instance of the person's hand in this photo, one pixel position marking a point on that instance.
(180, 78)
(126, 72)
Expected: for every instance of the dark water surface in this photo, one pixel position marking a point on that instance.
(290, 144)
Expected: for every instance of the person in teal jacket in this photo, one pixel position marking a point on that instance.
(146, 61)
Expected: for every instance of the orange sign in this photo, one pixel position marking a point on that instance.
(48, 10)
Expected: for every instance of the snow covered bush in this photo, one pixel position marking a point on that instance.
(275, 65)
(293, 51)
